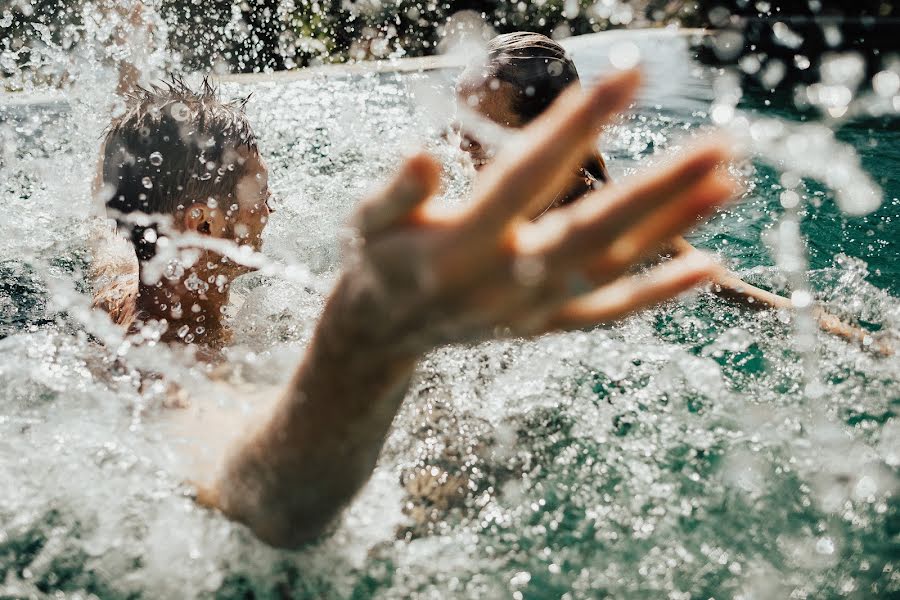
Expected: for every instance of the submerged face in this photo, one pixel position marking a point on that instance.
(492, 99)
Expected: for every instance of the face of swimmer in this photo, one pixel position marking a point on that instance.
(240, 216)
(492, 99)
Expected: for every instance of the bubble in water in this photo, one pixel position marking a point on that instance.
(719, 16)
(847, 68)
(773, 73)
(790, 199)
(722, 113)
(728, 44)
(147, 182)
(156, 159)
(750, 64)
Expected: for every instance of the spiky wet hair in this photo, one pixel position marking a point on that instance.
(171, 147)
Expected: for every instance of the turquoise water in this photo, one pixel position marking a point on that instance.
(671, 456)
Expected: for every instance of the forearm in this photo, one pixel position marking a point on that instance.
(131, 39)
(728, 285)
(290, 478)
(731, 287)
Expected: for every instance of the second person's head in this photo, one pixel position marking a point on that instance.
(523, 75)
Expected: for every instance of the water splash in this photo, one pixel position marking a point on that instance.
(668, 456)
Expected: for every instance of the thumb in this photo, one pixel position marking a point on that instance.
(417, 180)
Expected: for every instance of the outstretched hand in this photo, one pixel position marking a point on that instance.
(417, 278)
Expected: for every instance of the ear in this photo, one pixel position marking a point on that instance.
(200, 218)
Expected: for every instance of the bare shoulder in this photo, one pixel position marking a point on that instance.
(113, 274)
(111, 254)
(118, 297)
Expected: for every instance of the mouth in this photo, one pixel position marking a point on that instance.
(480, 163)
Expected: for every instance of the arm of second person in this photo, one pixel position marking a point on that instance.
(731, 287)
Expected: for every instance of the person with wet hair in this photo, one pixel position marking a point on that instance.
(178, 162)
(519, 78)
(522, 74)
(181, 173)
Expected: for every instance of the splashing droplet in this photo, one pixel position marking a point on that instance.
(180, 111)
(624, 55)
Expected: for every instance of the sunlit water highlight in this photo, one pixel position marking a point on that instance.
(674, 455)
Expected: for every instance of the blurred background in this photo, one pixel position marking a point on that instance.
(243, 36)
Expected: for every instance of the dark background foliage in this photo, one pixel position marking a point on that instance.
(261, 35)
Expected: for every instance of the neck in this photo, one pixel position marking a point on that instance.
(191, 315)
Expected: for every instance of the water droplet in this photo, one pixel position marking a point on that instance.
(801, 299)
(180, 111)
(825, 546)
(147, 182)
(624, 55)
(156, 159)
(886, 83)
(790, 199)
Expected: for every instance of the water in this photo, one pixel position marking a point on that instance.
(671, 456)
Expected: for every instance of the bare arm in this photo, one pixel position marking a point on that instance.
(295, 473)
(131, 36)
(417, 279)
(731, 287)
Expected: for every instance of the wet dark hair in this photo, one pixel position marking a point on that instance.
(173, 146)
(540, 70)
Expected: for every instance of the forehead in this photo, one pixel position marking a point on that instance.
(253, 165)
(475, 80)
(491, 97)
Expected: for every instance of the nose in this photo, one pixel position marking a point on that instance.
(468, 144)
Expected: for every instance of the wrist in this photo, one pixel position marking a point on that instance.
(353, 332)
